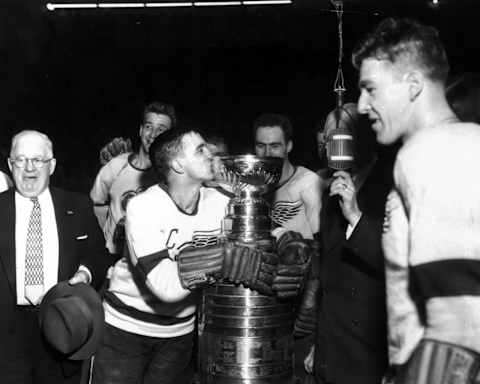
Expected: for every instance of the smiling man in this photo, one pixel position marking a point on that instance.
(431, 228)
(173, 234)
(48, 235)
(127, 174)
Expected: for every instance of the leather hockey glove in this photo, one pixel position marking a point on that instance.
(295, 254)
(306, 320)
(253, 267)
(199, 267)
(117, 146)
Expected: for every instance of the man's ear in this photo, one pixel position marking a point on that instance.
(416, 83)
(52, 165)
(177, 166)
(140, 130)
(289, 146)
(10, 166)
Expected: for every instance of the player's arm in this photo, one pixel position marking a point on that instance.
(405, 328)
(99, 194)
(312, 200)
(146, 239)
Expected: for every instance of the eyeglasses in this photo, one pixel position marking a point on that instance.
(37, 162)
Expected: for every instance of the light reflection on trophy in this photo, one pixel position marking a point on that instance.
(246, 337)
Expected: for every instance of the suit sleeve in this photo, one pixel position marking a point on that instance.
(95, 257)
(365, 242)
(147, 239)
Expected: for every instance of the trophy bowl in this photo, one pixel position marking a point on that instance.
(248, 172)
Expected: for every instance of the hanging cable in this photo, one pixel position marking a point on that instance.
(339, 85)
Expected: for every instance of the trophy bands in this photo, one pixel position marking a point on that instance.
(246, 337)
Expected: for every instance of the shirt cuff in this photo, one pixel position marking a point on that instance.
(350, 228)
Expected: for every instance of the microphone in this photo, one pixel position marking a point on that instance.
(340, 144)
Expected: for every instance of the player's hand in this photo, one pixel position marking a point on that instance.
(251, 266)
(295, 255)
(114, 148)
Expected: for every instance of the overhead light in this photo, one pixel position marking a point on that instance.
(173, 4)
(215, 3)
(166, 4)
(266, 2)
(53, 6)
(121, 5)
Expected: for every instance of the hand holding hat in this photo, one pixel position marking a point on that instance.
(72, 319)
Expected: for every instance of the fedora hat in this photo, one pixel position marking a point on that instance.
(72, 319)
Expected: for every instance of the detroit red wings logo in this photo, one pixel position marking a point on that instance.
(284, 211)
(202, 239)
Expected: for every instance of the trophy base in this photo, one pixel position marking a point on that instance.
(245, 337)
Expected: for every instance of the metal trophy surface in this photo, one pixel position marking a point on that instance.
(246, 337)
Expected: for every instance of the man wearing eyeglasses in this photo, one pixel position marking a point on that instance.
(47, 235)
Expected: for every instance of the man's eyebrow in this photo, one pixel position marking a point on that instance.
(363, 83)
(268, 142)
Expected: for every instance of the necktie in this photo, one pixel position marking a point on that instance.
(34, 256)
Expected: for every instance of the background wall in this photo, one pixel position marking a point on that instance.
(83, 76)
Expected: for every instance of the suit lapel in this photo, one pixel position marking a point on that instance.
(7, 249)
(60, 205)
(337, 225)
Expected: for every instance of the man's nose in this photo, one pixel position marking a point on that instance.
(29, 165)
(363, 104)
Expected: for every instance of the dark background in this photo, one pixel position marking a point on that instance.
(82, 76)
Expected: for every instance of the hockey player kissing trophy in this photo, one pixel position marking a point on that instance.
(246, 317)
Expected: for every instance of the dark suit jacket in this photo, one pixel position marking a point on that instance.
(75, 218)
(351, 343)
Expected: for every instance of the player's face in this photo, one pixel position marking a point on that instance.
(196, 159)
(270, 141)
(153, 125)
(385, 98)
(30, 179)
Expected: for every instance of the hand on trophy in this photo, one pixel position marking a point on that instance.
(295, 254)
(229, 261)
(253, 267)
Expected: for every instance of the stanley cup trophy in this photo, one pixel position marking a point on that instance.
(246, 337)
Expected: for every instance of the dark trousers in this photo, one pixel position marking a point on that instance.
(127, 358)
(25, 357)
